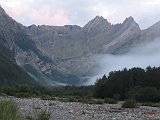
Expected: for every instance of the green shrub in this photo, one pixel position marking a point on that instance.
(110, 101)
(43, 115)
(63, 99)
(151, 104)
(23, 88)
(23, 95)
(9, 90)
(68, 99)
(129, 104)
(99, 101)
(9, 111)
(91, 101)
(72, 99)
(47, 97)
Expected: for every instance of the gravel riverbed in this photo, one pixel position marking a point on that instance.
(80, 111)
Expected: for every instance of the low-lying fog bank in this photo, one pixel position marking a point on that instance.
(141, 56)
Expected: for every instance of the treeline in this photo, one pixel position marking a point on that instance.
(140, 84)
(25, 91)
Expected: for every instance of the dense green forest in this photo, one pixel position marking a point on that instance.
(135, 83)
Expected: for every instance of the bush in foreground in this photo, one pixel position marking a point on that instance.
(9, 111)
(40, 115)
(129, 104)
(44, 115)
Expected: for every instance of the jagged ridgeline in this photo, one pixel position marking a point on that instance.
(55, 55)
(18, 46)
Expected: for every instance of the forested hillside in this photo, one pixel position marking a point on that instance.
(135, 83)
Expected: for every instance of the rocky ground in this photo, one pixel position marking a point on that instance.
(80, 111)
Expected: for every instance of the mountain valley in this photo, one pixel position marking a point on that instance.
(61, 55)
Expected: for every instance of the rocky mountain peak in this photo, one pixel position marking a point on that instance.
(129, 20)
(2, 12)
(130, 23)
(1, 9)
(99, 19)
(99, 23)
(32, 27)
(7, 23)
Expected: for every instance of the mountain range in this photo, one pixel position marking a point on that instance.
(60, 55)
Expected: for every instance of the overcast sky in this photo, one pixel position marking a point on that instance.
(61, 12)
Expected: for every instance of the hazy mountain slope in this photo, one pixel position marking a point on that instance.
(65, 53)
(150, 33)
(70, 41)
(26, 52)
(71, 47)
(10, 72)
(123, 38)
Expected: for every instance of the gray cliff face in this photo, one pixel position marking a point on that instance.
(97, 25)
(27, 54)
(64, 53)
(17, 41)
(71, 49)
(151, 33)
(123, 37)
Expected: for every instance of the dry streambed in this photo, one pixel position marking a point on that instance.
(80, 111)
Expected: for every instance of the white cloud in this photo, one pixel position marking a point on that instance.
(141, 56)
